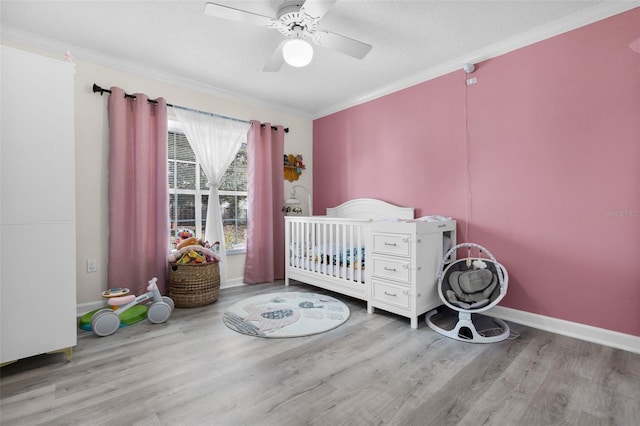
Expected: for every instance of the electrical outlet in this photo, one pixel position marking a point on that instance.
(472, 80)
(92, 265)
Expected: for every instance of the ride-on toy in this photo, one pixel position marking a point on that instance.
(106, 321)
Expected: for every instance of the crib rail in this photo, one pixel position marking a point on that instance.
(327, 251)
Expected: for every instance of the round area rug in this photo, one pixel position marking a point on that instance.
(286, 315)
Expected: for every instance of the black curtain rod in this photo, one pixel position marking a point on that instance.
(98, 89)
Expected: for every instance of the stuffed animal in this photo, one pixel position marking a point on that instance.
(193, 254)
(479, 264)
(299, 164)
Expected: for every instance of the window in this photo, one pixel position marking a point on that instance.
(189, 195)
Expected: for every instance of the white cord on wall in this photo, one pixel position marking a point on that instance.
(467, 157)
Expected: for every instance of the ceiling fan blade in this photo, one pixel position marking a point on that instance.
(229, 13)
(316, 8)
(276, 60)
(346, 45)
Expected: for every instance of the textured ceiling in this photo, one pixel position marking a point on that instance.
(411, 40)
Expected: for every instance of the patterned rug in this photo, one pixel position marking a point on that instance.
(286, 315)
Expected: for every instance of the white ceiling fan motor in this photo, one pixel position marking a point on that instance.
(289, 17)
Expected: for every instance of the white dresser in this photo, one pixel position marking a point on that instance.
(37, 215)
(402, 261)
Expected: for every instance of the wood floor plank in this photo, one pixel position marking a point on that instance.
(372, 370)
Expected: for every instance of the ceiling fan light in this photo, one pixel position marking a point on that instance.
(297, 52)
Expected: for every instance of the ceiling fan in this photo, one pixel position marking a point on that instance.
(298, 21)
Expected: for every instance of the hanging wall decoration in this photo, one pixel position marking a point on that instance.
(293, 167)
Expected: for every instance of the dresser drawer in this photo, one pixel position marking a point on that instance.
(393, 244)
(392, 268)
(391, 294)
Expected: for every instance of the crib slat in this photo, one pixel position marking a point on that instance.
(314, 230)
(362, 254)
(304, 244)
(296, 243)
(343, 250)
(351, 268)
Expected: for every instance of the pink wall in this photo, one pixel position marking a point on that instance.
(554, 134)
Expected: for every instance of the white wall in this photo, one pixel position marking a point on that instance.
(92, 154)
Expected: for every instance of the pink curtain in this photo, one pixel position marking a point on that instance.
(138, 192)
(265, 229)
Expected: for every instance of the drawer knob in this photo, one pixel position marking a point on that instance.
(390, 244)
(390, 294)
(390, 269)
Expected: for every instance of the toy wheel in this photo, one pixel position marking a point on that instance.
(168, 301)
(105, 322)
(159, 312)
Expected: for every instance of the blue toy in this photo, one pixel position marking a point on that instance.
(106, 321)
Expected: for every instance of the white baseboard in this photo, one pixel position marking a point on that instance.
(588, 333)
(83, 308)
(234, 282)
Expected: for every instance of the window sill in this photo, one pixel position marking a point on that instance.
(233, 252)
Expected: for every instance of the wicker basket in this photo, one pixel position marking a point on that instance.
(194, 285)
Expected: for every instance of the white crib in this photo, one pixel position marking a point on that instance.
(329, 251)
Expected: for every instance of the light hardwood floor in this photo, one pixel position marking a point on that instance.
(372, 370)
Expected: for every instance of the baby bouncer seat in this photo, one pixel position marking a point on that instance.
(469, 286)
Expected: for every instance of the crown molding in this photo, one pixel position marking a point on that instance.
(98, 58)
(601, 11)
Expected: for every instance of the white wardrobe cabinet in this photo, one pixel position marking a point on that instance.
(37, 207)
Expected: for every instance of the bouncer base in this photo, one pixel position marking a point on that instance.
(465, 330)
